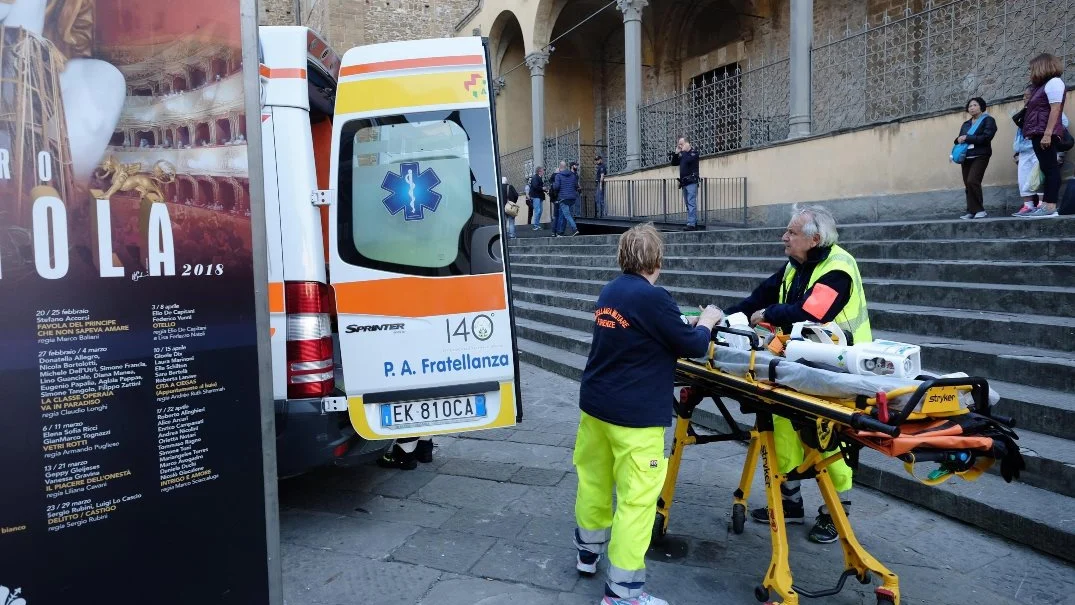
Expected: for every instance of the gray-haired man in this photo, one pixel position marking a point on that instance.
(819, 283)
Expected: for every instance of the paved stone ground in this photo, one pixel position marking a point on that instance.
(489, 522)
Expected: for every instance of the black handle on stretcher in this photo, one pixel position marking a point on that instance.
(979, 391)
(755, 342)
(862, 422)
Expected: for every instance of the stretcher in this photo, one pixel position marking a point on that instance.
(946, 421)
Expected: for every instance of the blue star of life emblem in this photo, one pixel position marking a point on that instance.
(411, 191)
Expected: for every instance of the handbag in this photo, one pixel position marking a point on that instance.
(1064, 142)
(1019, 117)
(511, 209)
(959, 150)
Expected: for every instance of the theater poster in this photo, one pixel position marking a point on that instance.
(131, 465)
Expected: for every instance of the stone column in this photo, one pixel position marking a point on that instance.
(536, 62)
(632, 37)
(802, 35)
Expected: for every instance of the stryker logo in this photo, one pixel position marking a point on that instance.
(351, 329)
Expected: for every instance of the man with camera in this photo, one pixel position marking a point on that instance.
(686, 157)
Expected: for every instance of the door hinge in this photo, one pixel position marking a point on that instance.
(322, 197)
(333, 404)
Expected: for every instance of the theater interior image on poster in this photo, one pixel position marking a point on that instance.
(130, 443)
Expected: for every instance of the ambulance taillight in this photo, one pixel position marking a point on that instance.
(309, 340)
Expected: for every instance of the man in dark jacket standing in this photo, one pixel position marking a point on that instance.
(686, 158)
(979, 151)
(537, 195)
(566, 185)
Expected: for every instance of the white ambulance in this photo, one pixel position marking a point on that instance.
(389, 296)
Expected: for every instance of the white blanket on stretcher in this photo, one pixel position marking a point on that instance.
(824, 383)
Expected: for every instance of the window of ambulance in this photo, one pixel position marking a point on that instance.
(414, 190)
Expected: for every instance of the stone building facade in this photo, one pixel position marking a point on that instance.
(357, 22)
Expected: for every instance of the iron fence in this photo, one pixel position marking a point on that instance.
(720, 201)
(518, 166)
(724, 112)
(616, 129)
(562, 147)
(935, 59)
(928, 61)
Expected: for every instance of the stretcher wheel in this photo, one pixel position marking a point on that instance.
(761, 593)
(739, 517)
(659, 529)
(865, 578)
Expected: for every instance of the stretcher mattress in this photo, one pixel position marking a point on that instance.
(820, 382)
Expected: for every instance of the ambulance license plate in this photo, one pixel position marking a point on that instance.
(432, 412)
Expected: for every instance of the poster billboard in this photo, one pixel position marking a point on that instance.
(131, 458)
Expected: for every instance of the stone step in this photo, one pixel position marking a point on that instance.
(1044, 408)
(1052, 249)
(994, 228)
(1012, 273)
(1041, 331)
(1038, 300)
(1017, 511)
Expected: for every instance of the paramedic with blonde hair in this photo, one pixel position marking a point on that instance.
(819, 283)
(626, 403)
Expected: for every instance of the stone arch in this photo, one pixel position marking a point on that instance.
(505, 31)
(546, 15)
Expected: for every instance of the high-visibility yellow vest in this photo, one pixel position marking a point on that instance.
(853, 318)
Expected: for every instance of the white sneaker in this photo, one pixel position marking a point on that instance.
(1041, 212)
(642, 599)
(981, 214)
(968, 216)
(587, 565)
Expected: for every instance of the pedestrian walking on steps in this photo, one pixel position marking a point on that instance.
(405, 454)
(972, 150)
(686, 157)
(565, 187)
(536, 188)
(1042, 125)
(625, 403)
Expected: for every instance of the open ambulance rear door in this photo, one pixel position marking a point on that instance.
(427, 336)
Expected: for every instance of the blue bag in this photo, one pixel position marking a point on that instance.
(959, 150)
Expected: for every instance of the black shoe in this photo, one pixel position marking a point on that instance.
(690, 228)
(793, 513)
(824, 530)
(398, 459)
(424, 453)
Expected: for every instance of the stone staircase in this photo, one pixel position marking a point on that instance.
(993, 298)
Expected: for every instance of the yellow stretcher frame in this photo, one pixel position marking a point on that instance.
(824, 425)
(759, 398)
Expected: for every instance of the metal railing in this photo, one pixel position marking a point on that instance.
(720, 201)
(725, 112)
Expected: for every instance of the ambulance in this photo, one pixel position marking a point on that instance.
(390, 313)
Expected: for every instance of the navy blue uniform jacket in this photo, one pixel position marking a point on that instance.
(637, 337)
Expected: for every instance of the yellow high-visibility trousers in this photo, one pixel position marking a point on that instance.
(631, 461)
(790, 454)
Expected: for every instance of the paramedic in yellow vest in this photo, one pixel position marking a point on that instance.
(819, 283)
(626, 402)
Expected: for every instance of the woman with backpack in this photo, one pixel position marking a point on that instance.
(972, 150)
